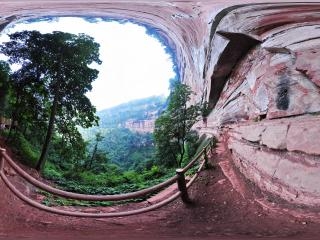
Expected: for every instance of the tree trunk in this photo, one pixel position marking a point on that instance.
(45, 146)
(182, 151)
(14, 115)
(89, 165)
(3, 97)
(183, 129)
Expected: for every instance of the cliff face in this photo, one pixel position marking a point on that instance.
(257, 65)
(270, 97)
(140, 126)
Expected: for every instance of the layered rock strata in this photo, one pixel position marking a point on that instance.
(271, 97)
(280, 156)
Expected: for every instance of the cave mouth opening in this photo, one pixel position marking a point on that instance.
(137, 62)
(147, 89)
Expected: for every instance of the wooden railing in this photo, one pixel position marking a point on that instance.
(5, 160)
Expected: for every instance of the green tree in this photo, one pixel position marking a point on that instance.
(60, 63)
(173, 128)
(26, 101)
(4, 86)
(97, 156)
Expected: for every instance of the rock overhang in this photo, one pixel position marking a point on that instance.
(271, 98)
(174, 24)
(187, 27)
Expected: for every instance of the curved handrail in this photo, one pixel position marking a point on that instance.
(35, 182)
(2, 151)
(94, 215)
(86, 197)
(196, 174)
(195, 159)
(82, 214)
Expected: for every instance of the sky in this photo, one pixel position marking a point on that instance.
(134, 64)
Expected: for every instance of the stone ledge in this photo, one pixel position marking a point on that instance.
(298, 134)
(304, 137)
(293, 176)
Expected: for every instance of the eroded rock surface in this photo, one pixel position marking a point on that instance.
(271, 97)
(282, 157)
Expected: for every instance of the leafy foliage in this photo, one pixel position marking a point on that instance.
(129, 150)
(173, 132)
(5, 87)
(55, 81)
(46, 96)
(28, 151)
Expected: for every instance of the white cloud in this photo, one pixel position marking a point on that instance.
(135, 65)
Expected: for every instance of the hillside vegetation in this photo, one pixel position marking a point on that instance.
(118, 159)
(53, 127)
(141, 109)
(130, 150)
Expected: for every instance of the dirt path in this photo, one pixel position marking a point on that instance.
(219, 211)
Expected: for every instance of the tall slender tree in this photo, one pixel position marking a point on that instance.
(173, 128)
(4, 86)
(98, 139)
(60, 62)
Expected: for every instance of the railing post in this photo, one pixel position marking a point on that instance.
(2, 151)
(206, 165)
(182, 186)
(211, 146)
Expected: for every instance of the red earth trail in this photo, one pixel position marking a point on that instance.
(219, 210)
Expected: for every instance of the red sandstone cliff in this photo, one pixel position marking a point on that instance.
(141, 126)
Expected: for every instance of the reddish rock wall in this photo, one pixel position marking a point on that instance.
(281, 156)
(276, 77)
(271, 98)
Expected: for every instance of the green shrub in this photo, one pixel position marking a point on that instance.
(28, 152)
(153, 173)
(51, 172)
(132, 177)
